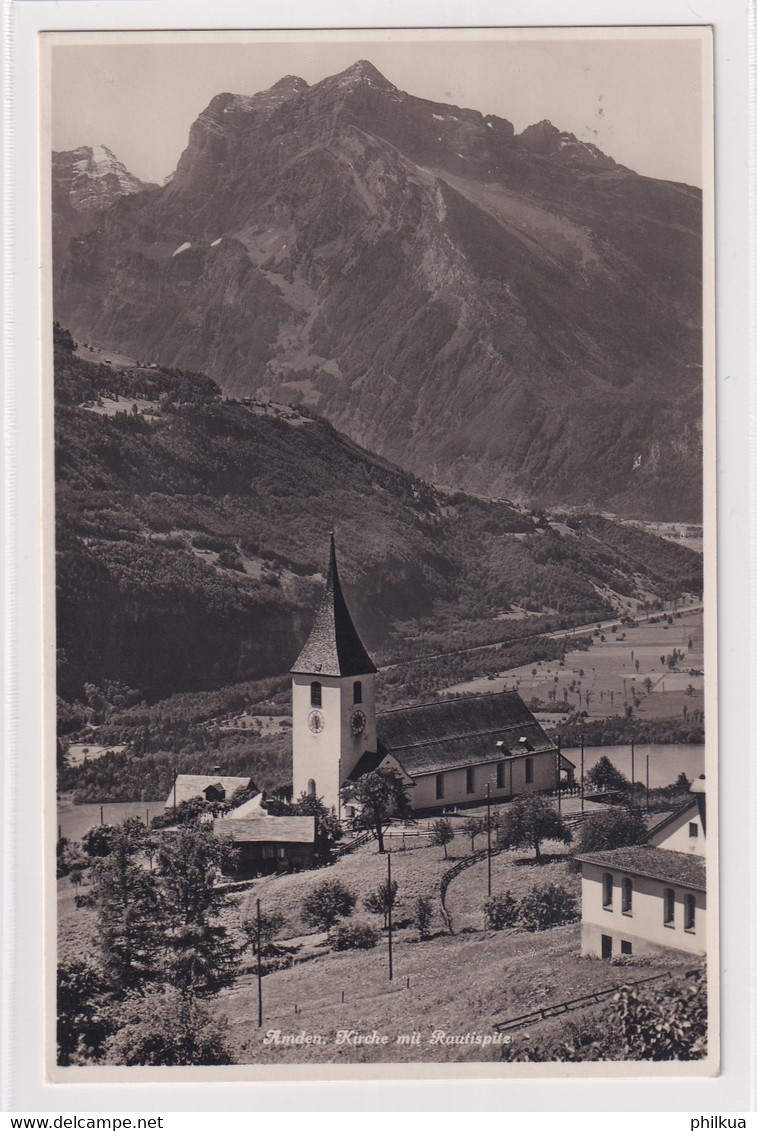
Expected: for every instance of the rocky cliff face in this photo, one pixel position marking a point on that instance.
(85, 182)
(516, 315)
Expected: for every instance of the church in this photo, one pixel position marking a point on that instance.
(448, 752)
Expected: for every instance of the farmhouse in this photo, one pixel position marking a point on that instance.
(448, 752)
(649, 897)
(269, 844)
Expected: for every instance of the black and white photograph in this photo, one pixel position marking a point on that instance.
(383, 607)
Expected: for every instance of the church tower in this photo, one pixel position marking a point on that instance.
(333, 699)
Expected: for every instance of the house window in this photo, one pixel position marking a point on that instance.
(607, 891)
(439, 787)
(529, 771)
(669, 913)
(689, 912)
(500, 775)
(357, 691)
(693, 828)
(316, 694)
(282, 853)
(625, 947)
(470, 780)
(627, 905)
(311, 788)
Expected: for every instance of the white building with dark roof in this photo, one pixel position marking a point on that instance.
(447, 751)
(649, 897)
(206, 787)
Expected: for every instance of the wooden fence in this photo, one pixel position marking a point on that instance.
(535, 1015)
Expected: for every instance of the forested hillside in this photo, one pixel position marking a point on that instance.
(192, 532)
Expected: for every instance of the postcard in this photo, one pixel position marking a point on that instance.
(380, 375)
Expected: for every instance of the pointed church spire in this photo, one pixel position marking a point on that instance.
(333, 647)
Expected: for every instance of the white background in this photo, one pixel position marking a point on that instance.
(21, 1022)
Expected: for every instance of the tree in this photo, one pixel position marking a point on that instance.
(271, 922)
(85, 1017)
(603, 775)
(328, 902)
(473, 827)
(97, 840)
(129, 913)
(382, 900)
(167, 1027)
(614, 829)
(328, 828)
(201, 954)
(424, 913)
(528, 821)
(442, 834)
(379, 796)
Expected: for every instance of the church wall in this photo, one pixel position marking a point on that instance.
(316, 756)
(544, 766)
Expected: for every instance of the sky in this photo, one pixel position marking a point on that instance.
(638, 96)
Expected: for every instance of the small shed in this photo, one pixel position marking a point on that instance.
(270, 844)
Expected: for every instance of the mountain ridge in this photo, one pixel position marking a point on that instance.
(512, 314)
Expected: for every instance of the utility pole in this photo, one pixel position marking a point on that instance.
(260, 971)
(389, 903)
(175, 776)
(647, 783)
(558, 759)
(633, 772)
(339, 794)
(102, 822)
(582, 771)
(488, 839)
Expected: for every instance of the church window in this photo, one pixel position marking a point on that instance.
(311, 788)
(500, 775)
(470, 780)
(529, 771)
(439, 787)
(316, 694)
(689, 912)
(357, 691)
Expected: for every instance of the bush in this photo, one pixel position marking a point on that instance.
(614, 829)
(354, 936)
(326, 903)
(424, 912)
(546, 905)
(501, 911)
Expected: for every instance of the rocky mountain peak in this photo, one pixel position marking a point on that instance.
(92, 177)
(360, 73)
(458, 299)
(291, 83)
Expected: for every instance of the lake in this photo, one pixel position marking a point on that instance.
(666, 760)
(75, 820)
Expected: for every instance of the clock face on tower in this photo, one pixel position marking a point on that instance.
(357, 722)
(316, 722)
